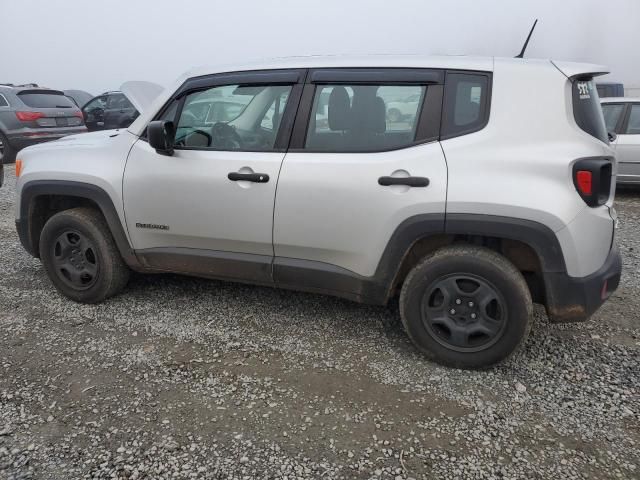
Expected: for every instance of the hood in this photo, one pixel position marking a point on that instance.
(141, 94)
(91, 138)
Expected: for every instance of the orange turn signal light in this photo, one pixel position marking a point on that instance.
(18, 167)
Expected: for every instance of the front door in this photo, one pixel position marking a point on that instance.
(368, 161)
(208, 208)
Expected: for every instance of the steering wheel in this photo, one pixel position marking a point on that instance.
(225, 137)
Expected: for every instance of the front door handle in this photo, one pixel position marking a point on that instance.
(409, 181)
(248, 177)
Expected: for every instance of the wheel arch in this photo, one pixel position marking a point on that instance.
(40, 199)
(531, 246)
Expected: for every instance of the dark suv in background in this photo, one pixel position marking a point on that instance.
(109, 110)
(30, 115)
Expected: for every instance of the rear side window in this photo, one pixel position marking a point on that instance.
(46, 100)
(633, 128)
(3, 101)
(612, 113)
(587, 110)
(364, 118)
(466, 104)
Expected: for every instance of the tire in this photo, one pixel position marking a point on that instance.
(466, 307)
(7, 152)
(81, 257)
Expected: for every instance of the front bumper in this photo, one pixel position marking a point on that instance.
(571, 299)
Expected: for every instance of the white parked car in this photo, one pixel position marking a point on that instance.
(486, 198)
(622, 117)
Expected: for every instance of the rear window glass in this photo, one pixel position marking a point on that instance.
(587, 110)
(46, 100)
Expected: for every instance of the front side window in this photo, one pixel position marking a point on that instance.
(465, 103)
(119, 102)
(633, 127)
(612, 112)
(350, 118)
(232, 117)
(99, 103)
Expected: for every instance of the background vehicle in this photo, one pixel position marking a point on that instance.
(80, 97)
(622, 116)
(443, 208)
(108, 111)
(30, 115)
(610, 89)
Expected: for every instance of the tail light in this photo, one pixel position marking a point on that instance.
(592, 179)
(29, 116)
(78, 114)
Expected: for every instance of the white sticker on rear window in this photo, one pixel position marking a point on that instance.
(583, 90)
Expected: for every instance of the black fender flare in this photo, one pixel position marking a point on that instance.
(36, 188)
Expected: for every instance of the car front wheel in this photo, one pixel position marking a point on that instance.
(81, 257)
(466, 307)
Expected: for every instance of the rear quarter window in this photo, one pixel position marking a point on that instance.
(46, 100)
(587, 110)
(3, 101)
(466, 104)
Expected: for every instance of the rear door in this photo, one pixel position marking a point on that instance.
(628, 146)
(357, 168)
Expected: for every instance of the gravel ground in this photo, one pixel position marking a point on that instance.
(188, 378)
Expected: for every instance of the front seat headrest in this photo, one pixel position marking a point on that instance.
(339, 109)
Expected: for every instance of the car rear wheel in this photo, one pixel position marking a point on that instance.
(466, 307)
(81, 257)
(7, 152)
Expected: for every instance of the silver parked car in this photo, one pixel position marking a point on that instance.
(622, 117)
(481, 201)
(30, 115)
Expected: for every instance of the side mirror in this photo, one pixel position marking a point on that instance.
(161, 135)
(612, 136)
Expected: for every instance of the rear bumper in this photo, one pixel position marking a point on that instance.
(571, 299)
(25, 139)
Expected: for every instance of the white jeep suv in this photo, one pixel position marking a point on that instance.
(493, 192)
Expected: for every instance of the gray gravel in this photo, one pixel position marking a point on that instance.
(187, 378)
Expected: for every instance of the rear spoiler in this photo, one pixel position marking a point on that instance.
(46, 91)
(574, 70)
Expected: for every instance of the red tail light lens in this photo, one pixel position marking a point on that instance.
(584, 180)
(592, 178)
(29, 116)
(78, 114)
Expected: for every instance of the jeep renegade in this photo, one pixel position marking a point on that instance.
(493, 189)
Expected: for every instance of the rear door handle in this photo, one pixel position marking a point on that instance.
(248, 177)
(410, 181)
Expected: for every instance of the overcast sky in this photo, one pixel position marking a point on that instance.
(97, 45)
